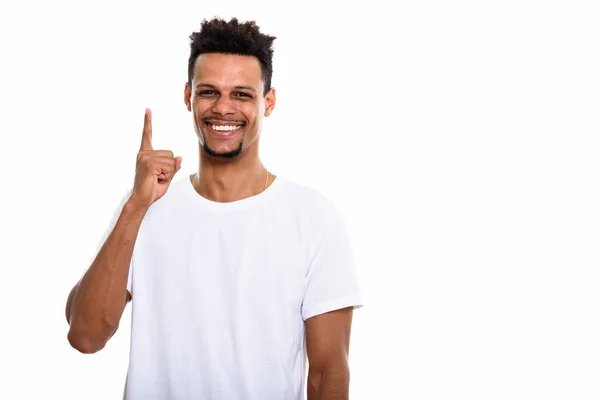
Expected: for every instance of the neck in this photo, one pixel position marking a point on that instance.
(230, 180)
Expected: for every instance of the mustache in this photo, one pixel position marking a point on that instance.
(209, 119)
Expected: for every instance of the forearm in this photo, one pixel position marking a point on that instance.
(328, 385)
(100, 297)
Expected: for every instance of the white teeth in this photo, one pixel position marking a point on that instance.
(225, 127)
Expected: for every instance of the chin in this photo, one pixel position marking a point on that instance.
(223, 153)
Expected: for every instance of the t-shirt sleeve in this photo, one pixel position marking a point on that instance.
(331, 282)
(111, 225)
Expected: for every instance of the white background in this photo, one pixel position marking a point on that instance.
(460, 139)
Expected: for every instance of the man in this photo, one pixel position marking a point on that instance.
(235, 275)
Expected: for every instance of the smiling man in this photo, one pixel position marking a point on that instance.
(236, 276)
(228, 103)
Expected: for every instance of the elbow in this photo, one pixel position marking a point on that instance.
(84, 343)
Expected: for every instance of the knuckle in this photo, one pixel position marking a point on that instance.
(166, 153)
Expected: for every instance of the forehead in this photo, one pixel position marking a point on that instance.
(227, 69)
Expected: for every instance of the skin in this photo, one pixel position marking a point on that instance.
(96, 303)
(327, 347)
(225, 90)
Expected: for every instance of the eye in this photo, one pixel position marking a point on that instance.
(243, 94)
(205, 93)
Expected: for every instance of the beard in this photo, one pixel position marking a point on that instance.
(228, 154)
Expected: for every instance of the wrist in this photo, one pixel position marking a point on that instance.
(135, 205)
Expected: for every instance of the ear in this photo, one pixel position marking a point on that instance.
(270, 100)
(187, 96)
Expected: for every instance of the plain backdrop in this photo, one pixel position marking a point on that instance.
(459, 139)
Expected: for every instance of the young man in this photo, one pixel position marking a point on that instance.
(236, 276)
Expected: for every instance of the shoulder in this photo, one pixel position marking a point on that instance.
(176, 191)
(306, 199)
(315, 213)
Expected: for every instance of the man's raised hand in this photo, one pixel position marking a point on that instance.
(154, 169)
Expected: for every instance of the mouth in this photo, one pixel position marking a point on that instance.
(224, 129)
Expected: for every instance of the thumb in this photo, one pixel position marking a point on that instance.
(178, 161)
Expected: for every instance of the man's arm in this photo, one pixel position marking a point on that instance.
(327, 345)
(96, 303)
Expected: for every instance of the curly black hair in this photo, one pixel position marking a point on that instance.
(233, 37)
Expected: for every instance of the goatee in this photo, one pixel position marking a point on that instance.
(228, 154)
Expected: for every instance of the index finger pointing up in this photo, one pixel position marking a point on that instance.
(147, 132)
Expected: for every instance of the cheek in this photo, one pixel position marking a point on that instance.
(251, 112)
(199, 108)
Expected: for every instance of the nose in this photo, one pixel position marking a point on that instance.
(223, 106)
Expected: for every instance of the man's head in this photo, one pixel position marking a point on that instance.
(229, 85)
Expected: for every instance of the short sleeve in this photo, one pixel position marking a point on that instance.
(331, 282)
(111, 225)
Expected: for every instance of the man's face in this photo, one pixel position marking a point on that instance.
(227, 103)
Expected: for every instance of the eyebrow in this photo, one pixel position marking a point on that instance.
(244, 87)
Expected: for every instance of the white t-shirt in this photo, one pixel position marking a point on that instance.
(221, 292)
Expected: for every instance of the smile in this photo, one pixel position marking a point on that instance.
(224, 130)
(225, 127)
